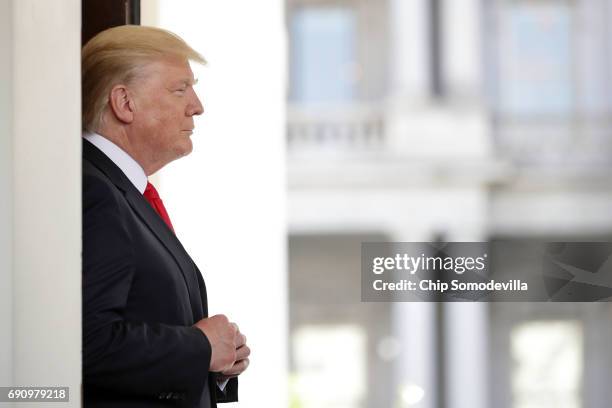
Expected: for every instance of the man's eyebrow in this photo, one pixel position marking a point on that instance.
(186, 82)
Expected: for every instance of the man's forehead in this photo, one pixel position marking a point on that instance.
(174, 70)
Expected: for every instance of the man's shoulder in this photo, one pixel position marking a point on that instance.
(93, 176)
(89, 169)
(98, 187)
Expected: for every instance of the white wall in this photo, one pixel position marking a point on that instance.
(227, 199)
(41, 190)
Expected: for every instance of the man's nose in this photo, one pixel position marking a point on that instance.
(195, 108)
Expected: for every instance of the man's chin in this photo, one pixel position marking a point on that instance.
(186, 148)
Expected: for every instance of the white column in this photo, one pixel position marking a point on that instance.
(227, 199)
(410, 70)
(592, 34)
(410, 56)
(42, 183)
(415, 371)
(467, 328)
(462, 49)
(6, 193)
(467, 352)
(414, 326)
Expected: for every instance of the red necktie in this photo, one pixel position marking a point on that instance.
(152, 197)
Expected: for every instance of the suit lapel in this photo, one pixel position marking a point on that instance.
(150, 218)
(172, 244)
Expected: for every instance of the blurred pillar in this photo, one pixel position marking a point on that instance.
(467, 353)
(467, 338)
(414, 327)
(462, 62)
(410, 56)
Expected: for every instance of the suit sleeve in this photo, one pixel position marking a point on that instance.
(126, 357)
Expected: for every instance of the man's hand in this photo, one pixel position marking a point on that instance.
(224, 339)
(242, 362)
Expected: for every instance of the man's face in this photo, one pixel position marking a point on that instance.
(165, 103)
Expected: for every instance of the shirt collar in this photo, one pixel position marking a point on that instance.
(130, 167)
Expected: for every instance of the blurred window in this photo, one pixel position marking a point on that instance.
(536, 56)
(323, 54)
(547, 367)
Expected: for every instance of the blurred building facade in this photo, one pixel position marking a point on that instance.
(453, 120)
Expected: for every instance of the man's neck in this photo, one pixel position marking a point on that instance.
(121, 139)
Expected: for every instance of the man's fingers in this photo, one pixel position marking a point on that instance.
(236, 333)
(240, 340)
(243, 352)
(237, 368)
(243, 364)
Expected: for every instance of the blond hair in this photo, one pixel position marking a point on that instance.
(115, 55)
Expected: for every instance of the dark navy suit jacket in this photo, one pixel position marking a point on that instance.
(141, 295)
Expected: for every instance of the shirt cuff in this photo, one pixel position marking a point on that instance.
(222, 384)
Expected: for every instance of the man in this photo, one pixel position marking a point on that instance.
(147, 337)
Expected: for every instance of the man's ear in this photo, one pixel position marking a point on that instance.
(121, 103)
